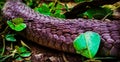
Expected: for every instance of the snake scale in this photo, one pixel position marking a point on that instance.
(59, 33)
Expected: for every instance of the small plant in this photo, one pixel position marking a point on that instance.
(19, 53)
(16, 52)
(16, 24)
(51, 9)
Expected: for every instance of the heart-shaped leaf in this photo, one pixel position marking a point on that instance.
(10, 37)
(87, 44)
(20, 27)
(17, 25)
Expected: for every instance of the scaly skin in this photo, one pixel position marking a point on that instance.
(59, 34)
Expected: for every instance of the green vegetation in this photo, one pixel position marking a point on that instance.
(51, 9)
(16, 24)
(10, 37)
(97, 13)
(17, 52)
(87, 44)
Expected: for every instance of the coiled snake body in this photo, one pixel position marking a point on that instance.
(59, 33)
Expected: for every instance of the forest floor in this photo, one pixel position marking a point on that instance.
(45, 54)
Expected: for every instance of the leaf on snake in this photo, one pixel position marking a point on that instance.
(87, 44)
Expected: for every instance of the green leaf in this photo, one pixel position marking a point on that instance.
(44, 9)
(11, 25)
(16, 27)
(57, 14)
(10, 37)
(19, 58)
(50, 4)
(59, 6)
(30, 4)
(21, 49)
(17, 20)
(58, 11)
(62, 16)
(20, 27)
(97, 13)
(45, 5)
(25, 54)
(87, 44)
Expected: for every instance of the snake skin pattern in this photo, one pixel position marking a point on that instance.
(59, 33)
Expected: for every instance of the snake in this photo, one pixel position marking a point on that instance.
(59, 33)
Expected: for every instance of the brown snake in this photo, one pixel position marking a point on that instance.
(59, 33)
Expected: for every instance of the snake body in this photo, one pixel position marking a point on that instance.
(59, 34)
